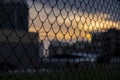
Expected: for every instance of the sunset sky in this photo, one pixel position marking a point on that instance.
(58, 20)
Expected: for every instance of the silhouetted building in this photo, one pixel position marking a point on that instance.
(58, 48)
(41, 49)
(107, 44)
(82, 46)
(19, 49)
(111, 42)
(14, 14)
(17, 46)
(96, 44)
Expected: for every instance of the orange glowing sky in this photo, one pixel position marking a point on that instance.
(66, 26)
(77, 26)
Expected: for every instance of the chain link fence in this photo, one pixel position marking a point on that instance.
(59, 39)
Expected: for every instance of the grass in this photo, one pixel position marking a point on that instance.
(83, 72)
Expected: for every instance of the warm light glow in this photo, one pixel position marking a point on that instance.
(70, 27)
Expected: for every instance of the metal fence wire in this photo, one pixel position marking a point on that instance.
(59, 40)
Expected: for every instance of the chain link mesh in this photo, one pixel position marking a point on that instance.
(59, 39)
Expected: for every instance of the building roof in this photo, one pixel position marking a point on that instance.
(18, 36)
(15, 1)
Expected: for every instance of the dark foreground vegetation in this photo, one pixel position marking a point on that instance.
(83, 72)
